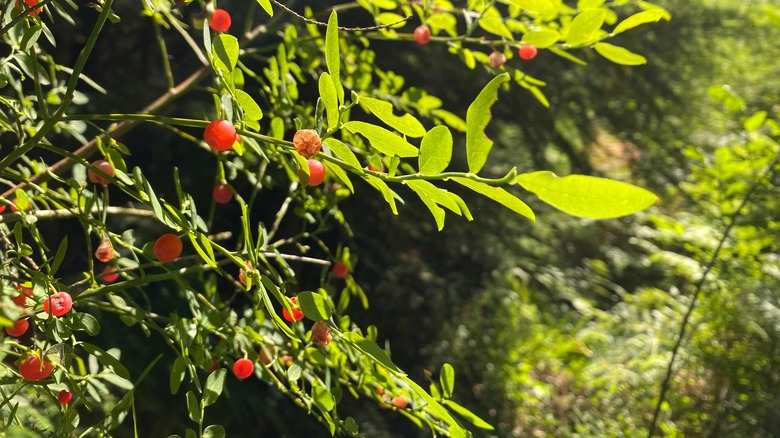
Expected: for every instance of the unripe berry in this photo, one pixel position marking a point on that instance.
(64, 397)
(104, 251)
(320, 334)
(110, 275)
(167, 247)
(243, 368)
(18, 329)
(105, 167)
(220, 20)
(496, 59)
(220, 135)
(527, 52)
(400, 402)
(32, 369)
(307, 142)
(422, 34)
(222, 193)
(58, 304)
(340, 270)
(316, 173)
(297, 315)
(2, 208)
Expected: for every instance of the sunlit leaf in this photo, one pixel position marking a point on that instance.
(478, 144)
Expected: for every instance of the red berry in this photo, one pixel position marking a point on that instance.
(297, 315)
(340, 270)
(15, 209)
(2, 208)
(58, 304)
(19, 328)
(243, 368)
(496, 59)
(33, 370)
(30, 3)
(307, 142)
(527, 52)
(104, 167)
(320, 334)
(220, 20)
(220, 135)
(167, 247)
(105, 252)
(222, 193)
(400, 402)
(21, 299)
(422, 34)
(110, 275)
(64, 397)
(316, 172)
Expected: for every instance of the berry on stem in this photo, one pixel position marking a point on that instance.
(104, 251)
(422, 34)
(496, 59)
(316, 173)
(222, 193)
(307, 142)
(64, 397)
(527, 52)
(30, 3)
(220, 135)
(104, 167)
(340, 270)
(243, 368)
(220, 20)
(58, 304)
(297, 315)
(110, 275)
(19, 328)
(167, 247)
(33, 369)
(2, 208)
(400, 402)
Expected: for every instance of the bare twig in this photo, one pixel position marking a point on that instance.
(348, 29)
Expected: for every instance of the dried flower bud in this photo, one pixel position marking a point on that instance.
(320, 334)
(307, 142)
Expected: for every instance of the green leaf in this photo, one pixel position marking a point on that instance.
(30, 37)
(619, 55)
(314, 306)
(332, 56)
(294, 373)
(106, 360)
(252, 111)
(494, 24)
(383, 140)
(193, 407)
(587, 196)
(478, 144)
(323, 398)
(432, 197)
(435, 150)
(201, 253)
(329, 98)
(650, 16)
(751, 123)
(584, 26)
(436, 211)
(338, 173)
(406, 124)
(342, 151)
(225, 47)
(59, 256)
(499, 195)
(266, 5)
(372, 350)
(447, 380)
(467, 414)
(214, 384)
(86, 322)
(541, 38)
(436, 408)
(177, 374)
(387, 194)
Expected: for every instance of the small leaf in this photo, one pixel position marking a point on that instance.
(106, 360)
(193, 407)
(372, 350)
(478, 144)
(86, 322)
(499, 195)
(314, 306)
(328, 95)
(649, 16)
(177, 374)
(750, 124)
(447, 380)
(383, 140)
(587, 196)
(214, 384)
(59, 256)
(294, 373)
(435, 150)
(585, 26)
(387, 194)
(332, 56)
(252, 111)
(266, 5)
(619, 55)
(541, 38)
(342, 151)
(467, 414)
(338, 173)
(214, 431)
(225, 48)
(406, 124)
(323, 398)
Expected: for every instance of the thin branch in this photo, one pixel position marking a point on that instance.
(348, 29)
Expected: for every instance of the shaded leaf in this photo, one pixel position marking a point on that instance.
(447, 380)
(214, 384)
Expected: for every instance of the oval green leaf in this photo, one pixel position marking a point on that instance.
(214, 384)
(314, 306)
(541, 38)
(619, 55)
(329, 98)
(478, 115)
(499, 195)
(406, 124)
(585, 26)
(435, 150)
(447, 380)
(383, 140)
(649, 16)
(587, 196)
